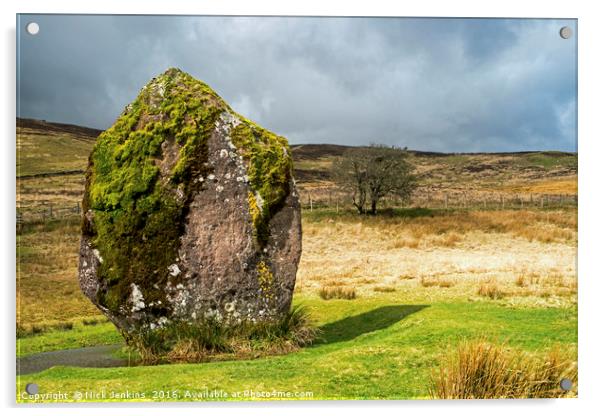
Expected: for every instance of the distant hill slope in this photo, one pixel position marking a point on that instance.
(313, 163)
(52, 149)
(48, 126)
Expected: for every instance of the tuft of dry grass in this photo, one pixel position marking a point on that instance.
(553, 283)
(405, 242)
(406, 277)
(365, 280)
(436, 281)
(491, 289)
(481, 370)
(450, 239)
(23, 331)
(334, 283)
(212, 340)
(337, 292)
(384, 289)
(521, 281)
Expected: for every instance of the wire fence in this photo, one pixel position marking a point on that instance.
(47, 212)
(334, 199)
(328, 198)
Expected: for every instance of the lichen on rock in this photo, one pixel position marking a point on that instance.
(188, 208)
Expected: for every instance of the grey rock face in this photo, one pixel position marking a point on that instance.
(221, 241)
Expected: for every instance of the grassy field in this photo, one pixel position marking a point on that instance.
(417, 278)
(394, 294)
(375, 348)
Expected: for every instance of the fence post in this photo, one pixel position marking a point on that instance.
(446, 201)
(311, 203)
(337, 204)
(541, 201)
(77, 208)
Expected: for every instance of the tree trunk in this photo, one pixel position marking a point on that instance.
(360, 202)
(373, 207)
(360, 208)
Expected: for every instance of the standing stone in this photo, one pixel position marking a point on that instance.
(190, 213)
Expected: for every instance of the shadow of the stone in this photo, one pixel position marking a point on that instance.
(99, 356)
(353, 326)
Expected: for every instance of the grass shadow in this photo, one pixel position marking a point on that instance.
(353, 326)
(323, 213)
(416, 212)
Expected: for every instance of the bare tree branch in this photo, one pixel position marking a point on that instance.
(369, 174)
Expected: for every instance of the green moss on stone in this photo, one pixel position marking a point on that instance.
(269, 169)
(140, 208)
(138, 213)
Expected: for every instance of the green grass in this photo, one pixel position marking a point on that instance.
(78, 337)
(549, 160)
(373, 348)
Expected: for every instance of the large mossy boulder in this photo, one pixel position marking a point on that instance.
(190, 213)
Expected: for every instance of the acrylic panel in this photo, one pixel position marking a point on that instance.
(230, 208)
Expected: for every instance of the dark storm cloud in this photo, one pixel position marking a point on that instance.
(430, 84)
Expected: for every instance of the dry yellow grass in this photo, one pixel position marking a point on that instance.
(491, 289)
(47, 286)
(451, 256)
(481, 370)
(406, 277)
(561, 185)
(437, 281)
(521, 281)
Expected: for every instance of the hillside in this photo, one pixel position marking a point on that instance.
(44, 147)
(51, 158)
(313, 162)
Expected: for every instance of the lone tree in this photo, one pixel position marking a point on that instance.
(370, 173)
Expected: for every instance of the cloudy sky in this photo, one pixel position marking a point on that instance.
(455, 85)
